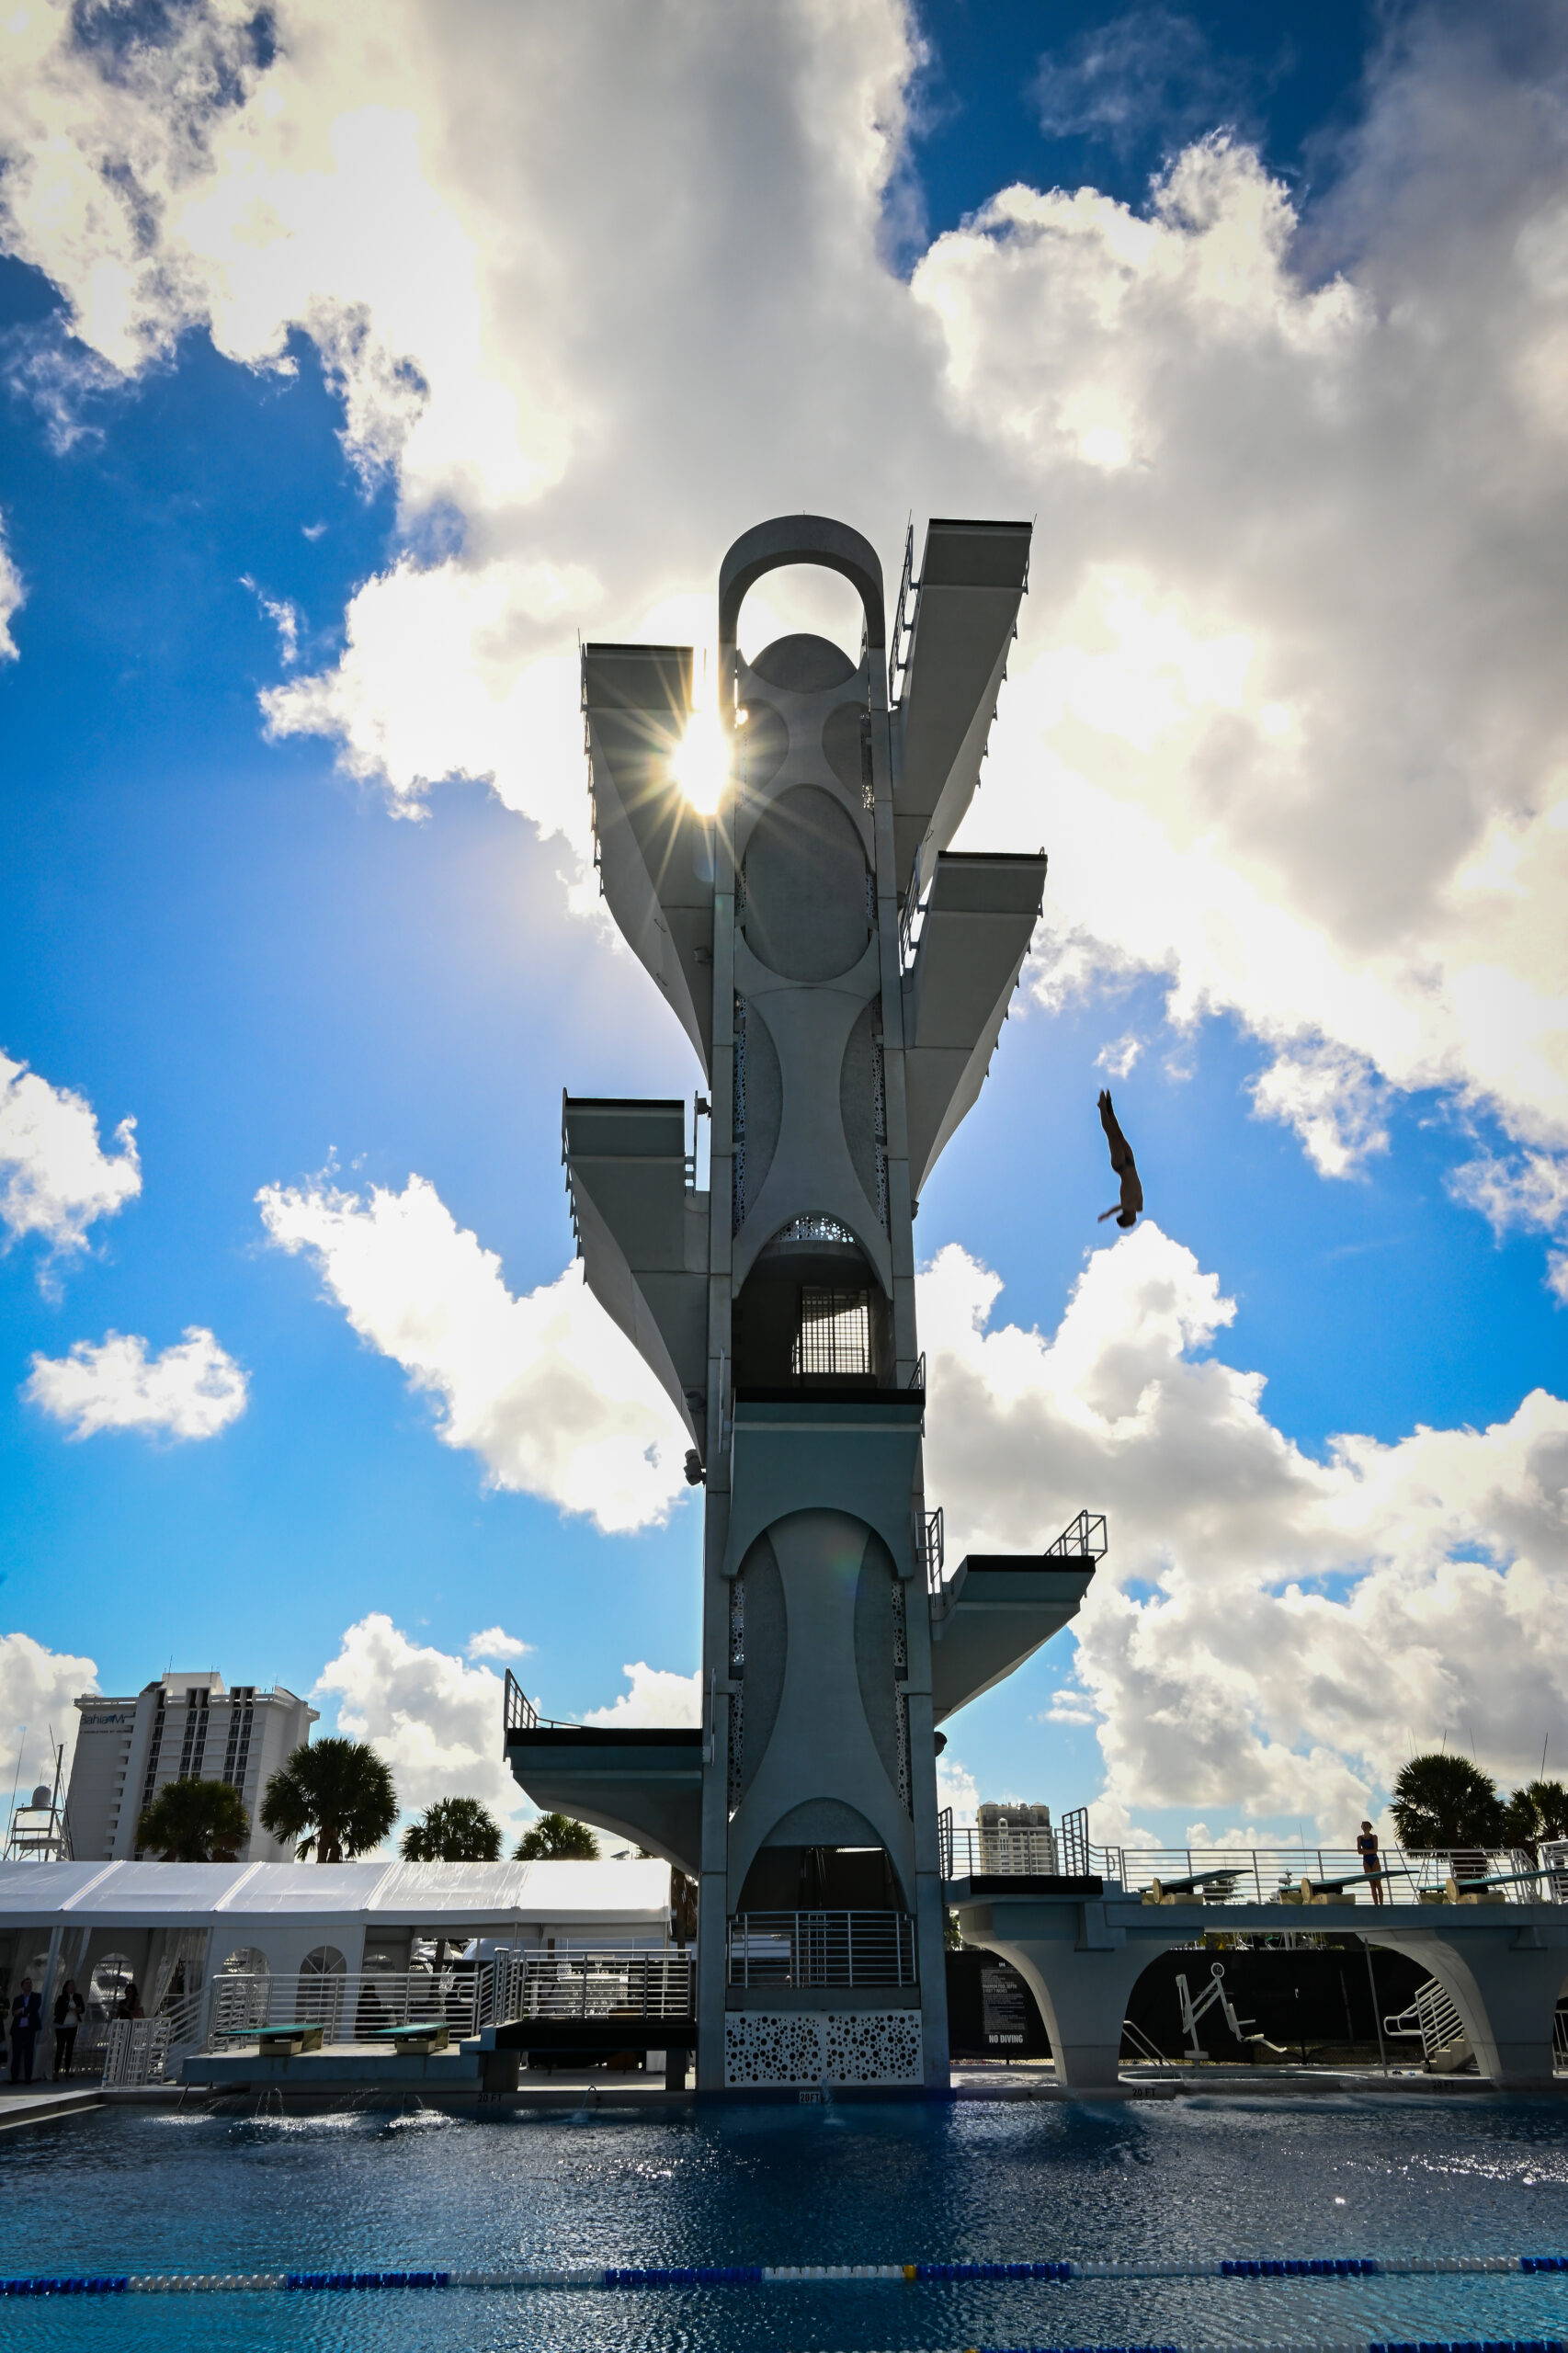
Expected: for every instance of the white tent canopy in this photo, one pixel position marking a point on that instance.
(582, 1902)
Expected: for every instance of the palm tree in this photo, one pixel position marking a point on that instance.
(195, 1822)
(1538, 1811)
(556, 1838)
(454, 1830)
(1446, 1802)
(335, 1795)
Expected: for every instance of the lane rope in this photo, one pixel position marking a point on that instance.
(661, 2276)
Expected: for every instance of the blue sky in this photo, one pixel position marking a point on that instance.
(1286, 712)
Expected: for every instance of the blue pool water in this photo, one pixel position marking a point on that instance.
(132, 2190)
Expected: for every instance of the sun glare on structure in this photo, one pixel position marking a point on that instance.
(701, 762)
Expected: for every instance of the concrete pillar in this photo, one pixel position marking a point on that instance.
(1080, 1971)
(1504, 1983)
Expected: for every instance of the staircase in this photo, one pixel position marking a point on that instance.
(1444, 2046)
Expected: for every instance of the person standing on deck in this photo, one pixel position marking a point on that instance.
(1371, 1861)
(26, 2017)
(69, 2012)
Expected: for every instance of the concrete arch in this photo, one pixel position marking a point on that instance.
(800, 539)
(1504, 1983)
(821, 1752)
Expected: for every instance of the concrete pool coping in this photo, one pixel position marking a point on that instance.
(1022, 2083)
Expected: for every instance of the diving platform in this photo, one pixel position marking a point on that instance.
(646, 1784)
(997, 1608)
(1082, 1944)
(974, 928)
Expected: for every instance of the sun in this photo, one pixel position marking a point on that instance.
(700, 764)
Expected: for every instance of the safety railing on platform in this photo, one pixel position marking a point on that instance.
(930, 1546)
(149, 2050)
(790, 1949)
(912, 919)
(522, 1716)
(1083, 1539)
(354, 2005)
(521, 1713)
(1014, 1848)
(607, 1986)
(1306, 1875)
(347, 2004)
(902, 631)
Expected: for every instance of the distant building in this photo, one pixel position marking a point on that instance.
(184, 1727)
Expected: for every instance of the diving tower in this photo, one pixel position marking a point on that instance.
(842, 975)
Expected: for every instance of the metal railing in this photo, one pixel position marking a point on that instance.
(1222, 1875)
(1072, 1849)
(521, 1714)
(969, 1850)
(606, 1985)
(1081, 1538)
(902, 620)
(930, 1545)
(790, 1949)
(1434, 2016)
(912, 920)
(149, 2050)
(353, 2006)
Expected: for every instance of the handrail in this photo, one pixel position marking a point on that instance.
(1304, 1875)
(930, 1546)
(1081, 1538)
(908, 595)
(826, 1947)
(521, 1715)
(350, 2005)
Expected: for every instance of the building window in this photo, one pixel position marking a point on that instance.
(834, 1337)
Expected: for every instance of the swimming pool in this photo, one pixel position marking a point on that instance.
(132, 2190)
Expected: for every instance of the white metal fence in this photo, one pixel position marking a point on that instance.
(149, 2050)
(353, 2006)
(788, 1949)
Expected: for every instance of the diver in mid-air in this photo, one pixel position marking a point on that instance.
(1126, 1167)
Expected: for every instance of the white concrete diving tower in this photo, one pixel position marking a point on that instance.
(842, 976)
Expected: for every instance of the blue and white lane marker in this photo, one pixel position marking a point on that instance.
(1334, 2267)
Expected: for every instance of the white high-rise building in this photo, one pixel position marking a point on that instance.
(184, 1727)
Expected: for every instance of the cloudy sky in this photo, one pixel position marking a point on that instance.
(356, 361)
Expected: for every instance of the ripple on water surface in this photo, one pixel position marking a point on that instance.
(137, 2191)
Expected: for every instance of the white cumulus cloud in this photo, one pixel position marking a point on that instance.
(1331, 1100)
(545, 1390)
(1528, 1190)
(1267, 1631)
(493, 1642)
(1287, 706)
(55, 1178)
(37, 1688)
(13, 595)
(657, 1696)
(436, 1720)
(192, 1390)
